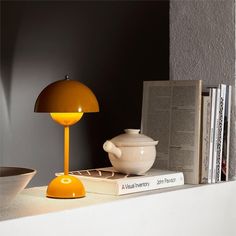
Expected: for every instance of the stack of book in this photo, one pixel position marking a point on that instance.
(216, 103)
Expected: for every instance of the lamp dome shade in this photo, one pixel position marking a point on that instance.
(66, 96)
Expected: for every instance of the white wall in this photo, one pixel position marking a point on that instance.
(202, 46)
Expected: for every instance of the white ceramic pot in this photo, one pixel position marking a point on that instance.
(131, 152)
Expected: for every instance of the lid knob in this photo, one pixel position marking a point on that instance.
(132, 131)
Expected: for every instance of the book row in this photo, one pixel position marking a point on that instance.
(216, 109)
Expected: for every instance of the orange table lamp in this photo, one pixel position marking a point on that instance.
(66, 101)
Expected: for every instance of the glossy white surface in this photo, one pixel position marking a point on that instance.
(206, 210)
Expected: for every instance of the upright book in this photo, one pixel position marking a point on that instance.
(212, 132)
(208, 132)
(215, 133)
(220, 131)
(226, 135)
(108, 181)
(206, 119)
(171, 113)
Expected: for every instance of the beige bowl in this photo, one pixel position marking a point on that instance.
(12, 181)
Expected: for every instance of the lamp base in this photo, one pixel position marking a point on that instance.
(65, 186)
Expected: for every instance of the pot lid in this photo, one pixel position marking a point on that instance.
(132, 137)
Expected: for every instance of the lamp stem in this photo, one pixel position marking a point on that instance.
(66, 150)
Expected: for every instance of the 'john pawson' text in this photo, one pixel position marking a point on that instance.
(166, 180)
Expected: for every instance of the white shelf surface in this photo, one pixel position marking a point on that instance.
(188, 210)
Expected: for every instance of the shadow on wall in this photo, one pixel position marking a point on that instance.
(8, 42)
(112, 47)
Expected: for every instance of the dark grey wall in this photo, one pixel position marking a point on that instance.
(109, 46)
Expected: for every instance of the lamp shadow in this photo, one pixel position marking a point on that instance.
(8, 41)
